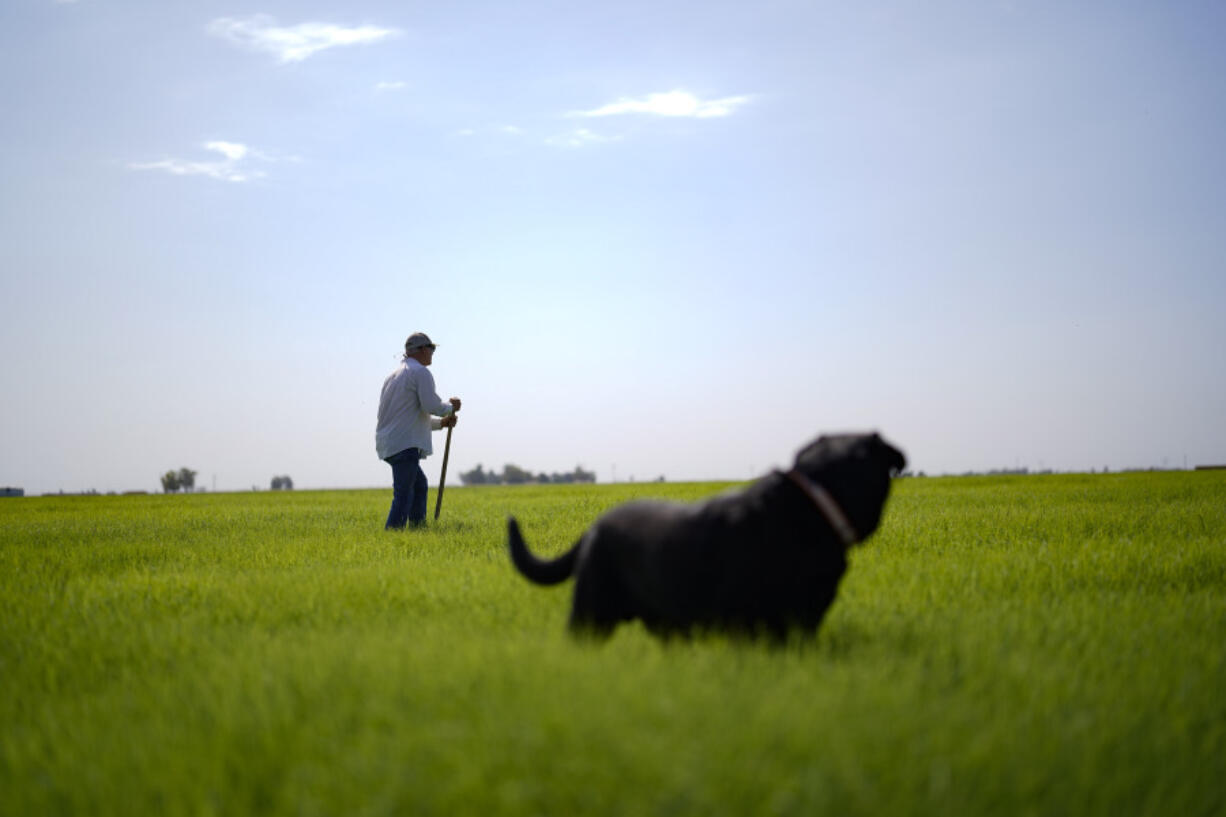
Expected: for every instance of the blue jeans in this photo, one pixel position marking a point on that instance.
(408, 490)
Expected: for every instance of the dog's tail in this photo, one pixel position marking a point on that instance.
(538, 570)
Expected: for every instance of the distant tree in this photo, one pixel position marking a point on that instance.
(478, 476)
(170, 482)
(187, 479)
(514, 475)
(282, 484)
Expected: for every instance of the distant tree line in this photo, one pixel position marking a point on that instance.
(282, 484)
(514, 475)
(182, 480)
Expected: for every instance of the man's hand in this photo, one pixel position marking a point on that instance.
(448, 421)
(455, 404)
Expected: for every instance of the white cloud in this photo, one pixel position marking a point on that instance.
(672, 103)
(293, 43)
(225, 169)
(181, 167)
(231, 150)
(390, 85)
(580, 137)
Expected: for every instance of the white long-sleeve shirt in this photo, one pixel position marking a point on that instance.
(408, 399)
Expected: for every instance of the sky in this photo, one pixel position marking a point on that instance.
(668, 239)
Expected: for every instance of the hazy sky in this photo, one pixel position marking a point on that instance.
(651, 238)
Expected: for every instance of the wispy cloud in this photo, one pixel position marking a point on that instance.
(672, 103)
(230, 167)
(293, 43)
(231, 150)
(578, 138)
(575, 138)
(394, 85)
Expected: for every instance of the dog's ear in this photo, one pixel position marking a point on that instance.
(895, 460)
(898, 462)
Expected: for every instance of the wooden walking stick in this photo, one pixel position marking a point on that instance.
(442, 478)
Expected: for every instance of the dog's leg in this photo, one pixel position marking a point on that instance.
(590, 615)
(599, 601)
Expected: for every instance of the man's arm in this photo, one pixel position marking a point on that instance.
(427, 395)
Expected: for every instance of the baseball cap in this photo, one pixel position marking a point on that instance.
(418, 340)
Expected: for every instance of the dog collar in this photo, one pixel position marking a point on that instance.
(826, 505)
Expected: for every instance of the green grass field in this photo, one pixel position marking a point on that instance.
(1041, 645)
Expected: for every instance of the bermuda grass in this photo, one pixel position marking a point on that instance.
(1030, 645)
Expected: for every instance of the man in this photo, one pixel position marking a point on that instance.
(402, 435)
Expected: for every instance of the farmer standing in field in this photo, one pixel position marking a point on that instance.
(402, 435)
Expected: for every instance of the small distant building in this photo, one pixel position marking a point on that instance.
(12, 491)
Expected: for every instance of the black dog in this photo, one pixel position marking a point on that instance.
(761, 561)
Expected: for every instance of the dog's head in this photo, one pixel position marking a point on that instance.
(856, 469)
